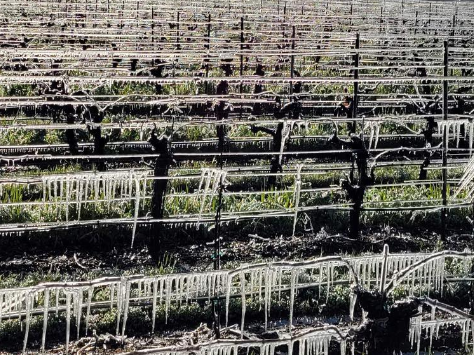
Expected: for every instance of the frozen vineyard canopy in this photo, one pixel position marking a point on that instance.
(263, 282)
(225, 132)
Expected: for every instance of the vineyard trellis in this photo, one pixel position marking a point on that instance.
(206, 115)
(263, 281)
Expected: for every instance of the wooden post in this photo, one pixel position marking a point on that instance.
(242, 39)
(123, 10)
(292, 62)
(429, 18)
(352, 12)
(402, 12)
(381, 20)
(241, 70)
(445, 144)
(356, 83)
(208, 46)
(138, 23)
(453, 29)
(177, 31)
(216, 305)
(416, 21)
(153, 26)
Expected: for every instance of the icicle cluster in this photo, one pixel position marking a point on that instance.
(78, 189)
(76, 297)
(427, 276)
(453, 128)
(64, 191)
(311, 342)
(374, 128)
(467, 181)
(369, 268)
(432, 326)
(264, 280)
(22, 302)
(209, 188)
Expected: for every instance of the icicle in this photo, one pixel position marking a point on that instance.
(90, 292)
(78, 314)
(137, 208)
(112, 291)
(471, 136)
(120, 295)
(293, 282)
(28, 300)
(126, 307)
(296, 195)
(227, 300)
(45, 318)
(243, 298)
(155, 293)
(352, 304)
(57, 301)
(286, 131)
(68, 320)
(343, 347)
(267, 296)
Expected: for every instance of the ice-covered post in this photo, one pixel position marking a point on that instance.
(122, 14)
(241, 69)
(177, 31)
(416, 22)
(444, 210)
(356, 83)
(292, 59)
(216, 304)
(222, 113)
(153, 26)
(208, 46)
(351, 13)
(381, 20)
(453, 27)
(429, 17)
